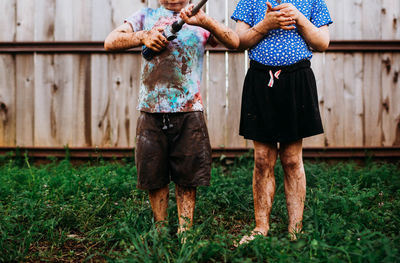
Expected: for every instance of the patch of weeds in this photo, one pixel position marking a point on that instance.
(61, 212)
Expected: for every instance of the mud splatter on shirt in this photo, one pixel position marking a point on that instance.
(170, 82)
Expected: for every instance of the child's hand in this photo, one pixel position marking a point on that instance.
(276, 20)
(198, 19)
(289, 11)
(154, 39)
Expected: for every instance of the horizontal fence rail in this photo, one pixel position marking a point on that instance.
(82, 153)
(97, 47)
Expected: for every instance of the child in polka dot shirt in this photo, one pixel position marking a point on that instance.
(280, 102)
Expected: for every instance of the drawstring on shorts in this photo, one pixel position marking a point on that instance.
(166, 122)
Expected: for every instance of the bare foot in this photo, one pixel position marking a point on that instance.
(294, 231)
(247, 238)
(182, 234)
(161, 226)
(182, 229)
(294, 234)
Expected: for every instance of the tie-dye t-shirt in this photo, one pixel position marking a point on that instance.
(170, 82)
(281, 47)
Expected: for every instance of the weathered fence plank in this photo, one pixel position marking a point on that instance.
(82, 20)
(100, 101)
(371, 25)
(353, 99)
(81, 75)
(217, 100)
(63, 102)
(372, 100)
(337, 9)
(351, 18)
(25, 25)
(44, 81)
(7, 100)
(25, 72)
(123, 95)
(24, 101)
(82, 101)
(44, 20)
(45, 117)
(7, 20)
(390, 99)
(333, 100)
(101, 19)
(395, 95)
(7, 76)
(318, 66)
(66, 95)
(390, 23)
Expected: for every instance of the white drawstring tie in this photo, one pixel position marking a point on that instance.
(272, 76)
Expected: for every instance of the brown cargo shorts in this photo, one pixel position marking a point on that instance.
(173, 146)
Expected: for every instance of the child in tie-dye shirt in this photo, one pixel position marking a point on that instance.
(171, 81)
(172, 138)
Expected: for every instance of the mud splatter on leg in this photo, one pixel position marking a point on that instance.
(159, 203)
(295, 184)
(265, 156)
(186, 201)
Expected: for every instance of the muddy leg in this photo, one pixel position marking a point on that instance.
(295, 184)
(263, 184)
(263, 187)
(159, 203)
(186, 201)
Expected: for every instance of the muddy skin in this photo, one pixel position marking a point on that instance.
(265, 156)
(263, 184)
(186, 201)
(159, 203)
(295, 184)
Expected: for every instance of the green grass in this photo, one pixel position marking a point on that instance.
(60, 212)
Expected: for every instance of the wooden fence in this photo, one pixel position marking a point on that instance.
(85, 100)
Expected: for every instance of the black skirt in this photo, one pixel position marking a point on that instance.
(280, 104)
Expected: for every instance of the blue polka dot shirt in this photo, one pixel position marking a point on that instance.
(281, 47)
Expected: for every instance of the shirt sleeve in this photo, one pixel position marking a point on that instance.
(244, 12)
(136, 20)
(320, 14)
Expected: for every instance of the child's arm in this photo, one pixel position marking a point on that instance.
(224, 34)
(123, 37)
(251, 36)
(317, 38)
